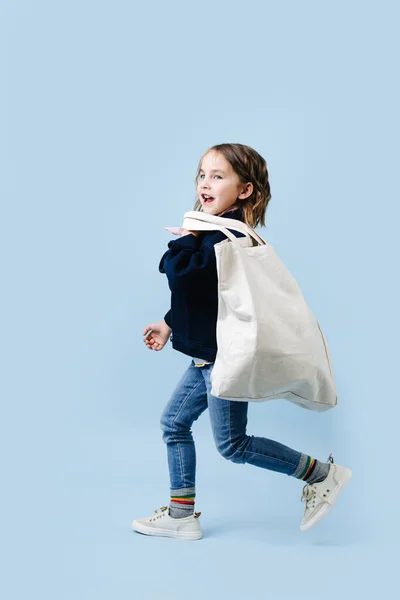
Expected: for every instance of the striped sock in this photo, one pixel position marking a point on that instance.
(182, 503)
(311, 470)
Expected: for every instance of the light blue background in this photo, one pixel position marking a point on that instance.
(106, 108)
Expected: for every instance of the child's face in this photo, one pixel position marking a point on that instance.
(217, 179)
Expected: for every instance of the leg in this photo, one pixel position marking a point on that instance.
(187, 402)
(229, 421)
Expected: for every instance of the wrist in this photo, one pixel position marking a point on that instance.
(167, 326)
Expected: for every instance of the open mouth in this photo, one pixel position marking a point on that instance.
(207, 199)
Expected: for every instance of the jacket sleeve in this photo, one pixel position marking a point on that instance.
(167, 319)
(189, 264)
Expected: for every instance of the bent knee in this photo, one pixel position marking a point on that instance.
(165, 422)
(168, 426)
(230, 452)
(173, 430)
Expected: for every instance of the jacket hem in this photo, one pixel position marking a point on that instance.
(191, 351)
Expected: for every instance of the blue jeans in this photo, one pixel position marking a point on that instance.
(190, 398)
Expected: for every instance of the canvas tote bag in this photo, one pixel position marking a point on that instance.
(270, 345)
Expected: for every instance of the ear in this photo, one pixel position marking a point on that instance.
(247, 191)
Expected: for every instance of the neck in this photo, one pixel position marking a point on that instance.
(228, 210)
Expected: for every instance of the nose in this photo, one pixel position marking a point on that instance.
(204, 184)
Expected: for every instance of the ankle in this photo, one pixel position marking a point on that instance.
(182, 503)
(178, 513)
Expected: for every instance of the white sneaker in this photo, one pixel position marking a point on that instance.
(160, 523)
(320, 497)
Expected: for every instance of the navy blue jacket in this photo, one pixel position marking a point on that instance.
(191, 269)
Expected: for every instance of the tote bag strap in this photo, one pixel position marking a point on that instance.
(213, 222)
(197, 225)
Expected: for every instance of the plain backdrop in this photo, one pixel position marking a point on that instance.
(106, 108)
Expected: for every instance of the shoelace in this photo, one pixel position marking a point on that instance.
(309, 494)
(310, 491)
(157, 513)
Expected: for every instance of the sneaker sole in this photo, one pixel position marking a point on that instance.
(327, 507)
(185, 535)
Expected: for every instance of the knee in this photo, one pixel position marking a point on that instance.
(165, 422)
(232, 452)
(167, 426)
(172, 429)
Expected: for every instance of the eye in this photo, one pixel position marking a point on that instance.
(201, 175)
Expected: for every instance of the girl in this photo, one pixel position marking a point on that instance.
(232, 181)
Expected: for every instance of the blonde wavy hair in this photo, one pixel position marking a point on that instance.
(249, 165)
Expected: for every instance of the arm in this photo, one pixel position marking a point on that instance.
(189, 267)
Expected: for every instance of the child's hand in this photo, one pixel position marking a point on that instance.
(158, 336)
(174, 230)
(186, 232)
(181, 231)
